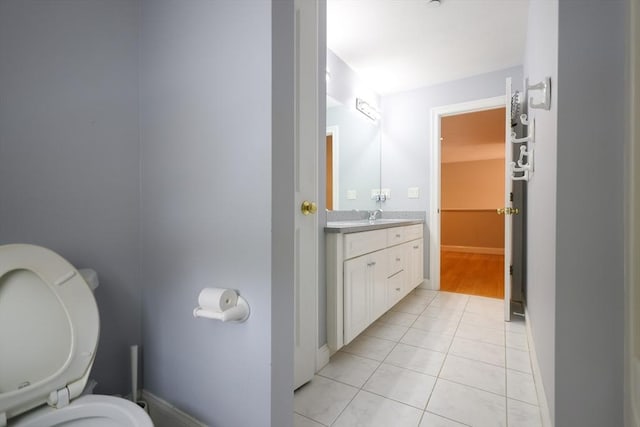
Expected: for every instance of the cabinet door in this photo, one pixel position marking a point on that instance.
(378, 269)
(356, 296)
(416, 261)
(365, 292)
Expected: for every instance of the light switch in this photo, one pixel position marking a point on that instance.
(352, 195)
(413, 193)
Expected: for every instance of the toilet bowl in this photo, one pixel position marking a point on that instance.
(49, 328)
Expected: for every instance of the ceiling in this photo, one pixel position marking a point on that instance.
(473, 136)
(397, 45)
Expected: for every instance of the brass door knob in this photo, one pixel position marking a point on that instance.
(308, 207)
(508, 211)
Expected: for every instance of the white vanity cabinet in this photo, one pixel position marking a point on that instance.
(368, 272)
(365, 292)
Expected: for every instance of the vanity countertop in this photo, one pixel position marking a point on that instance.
(355, 226)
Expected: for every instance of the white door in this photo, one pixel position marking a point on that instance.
(508, 204)
(306, 190)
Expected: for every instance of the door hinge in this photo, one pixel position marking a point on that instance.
(511, 270)
(511, 197)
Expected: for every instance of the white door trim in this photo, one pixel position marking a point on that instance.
(333, 131)
(632, 249)
(434, 202)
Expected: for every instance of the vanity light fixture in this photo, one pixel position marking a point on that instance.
(367, 109)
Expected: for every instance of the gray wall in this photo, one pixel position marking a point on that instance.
(592, 91)
(575, 208)
(406, 137)
(69, 152)
(541, 60)
(206, 200)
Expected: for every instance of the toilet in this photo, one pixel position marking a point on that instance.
(49, 328)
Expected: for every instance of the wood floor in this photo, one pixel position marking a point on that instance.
(474, 274)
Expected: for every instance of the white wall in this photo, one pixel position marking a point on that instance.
(592, 96)
(69, 152)
(541, 60)
(344, 84)
(206, 205)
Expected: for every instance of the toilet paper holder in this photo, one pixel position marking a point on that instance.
(238, 313)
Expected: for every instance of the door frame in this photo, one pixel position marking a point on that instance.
(632, 223)
(438, 113)
(334, 132)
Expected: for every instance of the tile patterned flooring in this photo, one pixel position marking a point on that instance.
(436, 359)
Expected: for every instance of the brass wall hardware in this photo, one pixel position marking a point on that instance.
(308, 207)
(508, 211)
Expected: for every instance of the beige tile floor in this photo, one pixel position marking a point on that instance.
(436, 359)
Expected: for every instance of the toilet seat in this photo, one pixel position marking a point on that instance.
(91, 411)
(49, 327)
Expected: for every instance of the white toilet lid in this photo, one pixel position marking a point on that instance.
(49, 327)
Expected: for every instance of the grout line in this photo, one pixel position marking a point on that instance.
(447, 418)
(479, 389)
(310, 419)
(430, 304)
(395, 400)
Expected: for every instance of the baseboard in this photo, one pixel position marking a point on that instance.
(542, 396)
(164, 414)
(472, 249)
(426, 284)
(322, 357)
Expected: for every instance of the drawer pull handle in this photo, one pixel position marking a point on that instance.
(398, 235)
(398, 259)
(416, 247)
(371, 264)
(398, 289)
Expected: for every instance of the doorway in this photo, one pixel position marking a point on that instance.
(472, 189)
(435, 217)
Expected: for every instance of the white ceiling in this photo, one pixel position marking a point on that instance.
(397, 45)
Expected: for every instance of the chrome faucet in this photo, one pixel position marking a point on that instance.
(374, 214)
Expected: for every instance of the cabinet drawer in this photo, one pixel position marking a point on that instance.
(413, 232)
(397, 259)
(396, 286)
(396, 235)
(362, 243)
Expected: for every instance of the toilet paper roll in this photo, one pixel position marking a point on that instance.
(216, 299)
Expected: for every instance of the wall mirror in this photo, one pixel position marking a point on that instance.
(353, 143)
